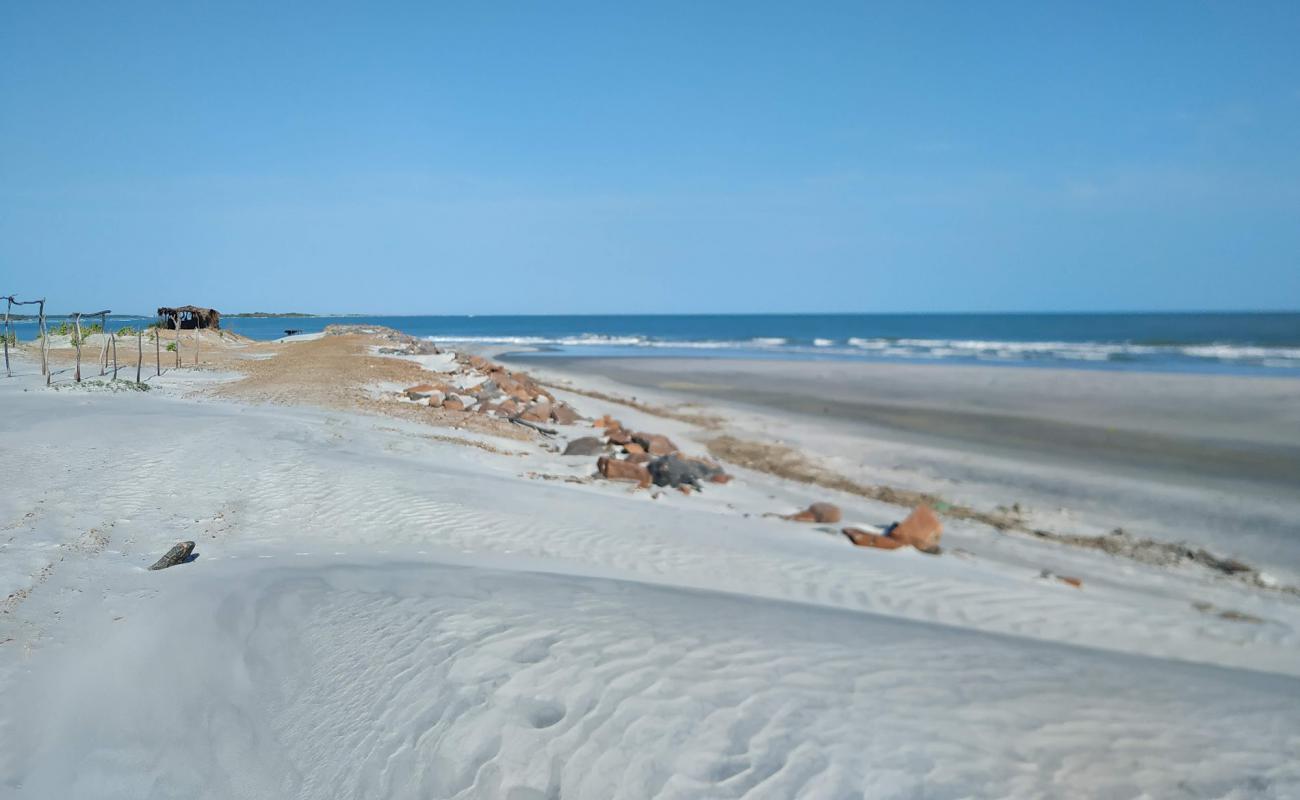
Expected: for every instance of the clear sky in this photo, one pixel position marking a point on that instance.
(462, 157)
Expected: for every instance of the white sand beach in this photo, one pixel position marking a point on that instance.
(394, 601)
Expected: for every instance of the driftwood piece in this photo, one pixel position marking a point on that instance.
(178, 342)
(157, 349)
(179, 554)
(103, 351)
(139, 352)
(534, 426)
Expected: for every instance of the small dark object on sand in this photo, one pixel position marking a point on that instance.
(179, 554)
(676, 471)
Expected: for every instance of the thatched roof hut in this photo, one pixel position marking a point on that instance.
(190, 317)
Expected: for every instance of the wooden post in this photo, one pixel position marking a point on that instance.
(76, 319)
(178, 339)
(157, 348)
(9, 301)
(139, 352)
(103, 351)
(113, 338)
(196, 341)
(45, 342)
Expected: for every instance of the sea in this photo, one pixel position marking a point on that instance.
(1235, 343)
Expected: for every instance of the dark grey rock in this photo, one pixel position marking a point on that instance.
(674, 470)
(586, 446)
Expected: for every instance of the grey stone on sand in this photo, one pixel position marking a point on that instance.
(673, 470)
(586, 446)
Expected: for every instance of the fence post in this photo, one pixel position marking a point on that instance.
(139, 352)
(9, 301)
(76, 319)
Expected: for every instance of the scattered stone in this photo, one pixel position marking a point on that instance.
(640, 458)
(720, 477)
(537, 412)
(618, 436)
(655, 444)
(436, 398)
(454, 403)
(564, 414)
(922, 529)
(673, 470)
(863, 538)
(632, 448)
(180, 553)
(615, 470)
(586, 446)
(606, 421)
(421, 391)
(828, 513)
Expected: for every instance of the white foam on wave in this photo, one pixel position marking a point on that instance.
(937, 349)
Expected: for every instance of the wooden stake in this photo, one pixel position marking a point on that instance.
(139, 352)
(76, 318)
(157, 347)
(113, 338)
(103, 351)
(9, 301)
(178, 340)
(45, 344)
(196, 341)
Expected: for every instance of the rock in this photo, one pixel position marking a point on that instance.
(421, 391)
(867, 539)
(673, 470)
(479, 363)
(640, 458)
(537, 412)
(615, 470)
(720, 477)
(586, 446)
(178, 554)
(655, 444)
(1075, 582)
(487, 388)
(818, 512)
(618, 436)
(508, 408)
(632, 448)
(922, 529)
(564, 415)
(436, 398)
(454, 403)
(606, 422)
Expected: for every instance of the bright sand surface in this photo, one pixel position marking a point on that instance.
(390, 604)
(1210, 459)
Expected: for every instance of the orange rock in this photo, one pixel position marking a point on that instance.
(606, 421)
(655, 444)
(1075, 582)
(537, 412)
(867, 539)
(922, 529)
(436, 399)
(618, 436)
(564, 415)
(633, 448)
(640, 458)
(454, 403)
(615, 470)
(508, 408)
(818, 512)
(684, 489)
(721, 477)
(420, 392)
(479, 362)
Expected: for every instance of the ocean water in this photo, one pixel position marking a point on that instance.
(1257, 343)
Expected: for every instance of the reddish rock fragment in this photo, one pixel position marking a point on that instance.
(818, 512)
(655, 444)
(615, 470)
(867, 539)
(922, 529)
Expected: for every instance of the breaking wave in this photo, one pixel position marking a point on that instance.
(914, 349)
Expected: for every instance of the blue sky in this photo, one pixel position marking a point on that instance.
(659, 157)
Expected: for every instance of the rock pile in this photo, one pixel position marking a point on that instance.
(483, 387)
(647, 458)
